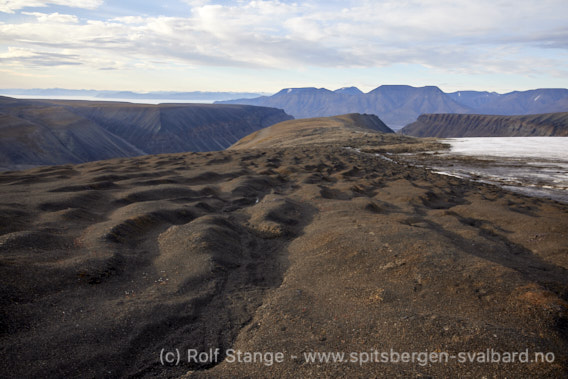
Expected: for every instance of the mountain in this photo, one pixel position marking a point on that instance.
(305, 102)
(395, 105)
(474, 100)
(546, 100)
(399, 105)
(349, 91)
(42, 132)
(468, 125)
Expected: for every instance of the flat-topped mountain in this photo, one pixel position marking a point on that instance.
(544, 100)
(46, 132)
(472, 125)
(395, 105)
(399, 105)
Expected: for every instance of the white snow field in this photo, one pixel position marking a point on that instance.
(535, 166)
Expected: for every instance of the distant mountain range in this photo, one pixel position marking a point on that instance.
(474, 125)
(129, 95)
(399, 105)
(49, 132)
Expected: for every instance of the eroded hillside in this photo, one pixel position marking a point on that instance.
(46, 132)
(472, 125)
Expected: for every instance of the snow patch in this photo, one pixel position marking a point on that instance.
(535, 166)
(553, 148)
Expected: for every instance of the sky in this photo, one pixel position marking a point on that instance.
(264, 46)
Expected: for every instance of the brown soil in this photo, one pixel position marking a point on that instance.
(321, 247)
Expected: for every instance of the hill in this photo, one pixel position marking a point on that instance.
(44, 132)
(259, 258)
(468, 125)
(311, 131)
(399, 105)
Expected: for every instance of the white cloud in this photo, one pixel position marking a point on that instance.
(53, 18)
(27, 57)
(456, 35)
(11, 6)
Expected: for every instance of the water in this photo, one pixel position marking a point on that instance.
(535, 166)
(98, 99)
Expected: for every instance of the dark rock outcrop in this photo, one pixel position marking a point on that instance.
(472, 125)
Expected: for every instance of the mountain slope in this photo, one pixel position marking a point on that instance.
(33, 134)
(397, 104)
(172, 128)
(469, 125)
(44, 132)
(306, 102)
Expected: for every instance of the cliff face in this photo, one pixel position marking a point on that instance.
(469, 125)
(34, 132)
(173, 128)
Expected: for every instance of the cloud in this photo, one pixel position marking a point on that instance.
(18, 57)
(11, 6)
(53, 18)
(284, 35)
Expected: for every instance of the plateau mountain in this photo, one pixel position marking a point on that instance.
(48, 132)
(399, 105)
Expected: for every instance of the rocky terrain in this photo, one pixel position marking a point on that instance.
(399, 105)
(296, 240)
(46, 132)
(471, 125)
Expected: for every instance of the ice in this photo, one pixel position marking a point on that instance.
(536, 166)
(547, 148)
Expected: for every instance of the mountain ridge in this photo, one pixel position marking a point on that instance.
(400, 105)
